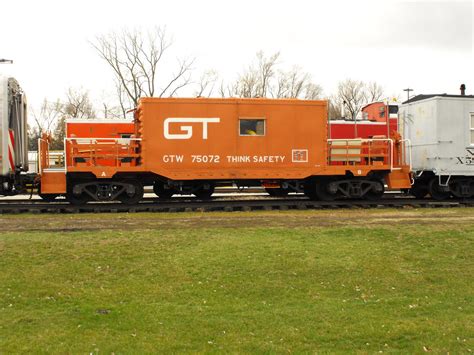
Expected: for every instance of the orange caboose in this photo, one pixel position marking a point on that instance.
(192, 145)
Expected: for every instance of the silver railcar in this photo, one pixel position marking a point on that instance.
(441, 131)
(13, 136)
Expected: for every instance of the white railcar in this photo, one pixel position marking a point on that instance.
(441, 131)
(13, 135)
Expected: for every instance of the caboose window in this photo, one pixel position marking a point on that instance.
(251, 127)
(472, 128)
(382, 112)
(393, 109)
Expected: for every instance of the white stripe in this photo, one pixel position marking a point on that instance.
(11, 149)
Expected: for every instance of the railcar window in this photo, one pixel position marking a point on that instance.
(393, 109)
(382, 112)
(251, 127)
(472, 128)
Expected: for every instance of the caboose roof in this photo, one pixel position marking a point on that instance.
(429, 96)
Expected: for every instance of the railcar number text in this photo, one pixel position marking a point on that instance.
(216, 159)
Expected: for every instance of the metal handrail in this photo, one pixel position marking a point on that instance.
(409, 151)
(94, 143)
(362, 141)
(41, 142)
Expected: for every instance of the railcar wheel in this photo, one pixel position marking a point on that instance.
(277, 192)
(419, 191)
(436, 191)
(76, 200)
(161, 192)
(204, 193)
(48, 197)
(462, 187)
(309, 190)
(376, 192)
(323, 192)
(132, 194)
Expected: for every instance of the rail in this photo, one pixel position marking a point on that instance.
(368, 152)
(178, 205)
(112, 152)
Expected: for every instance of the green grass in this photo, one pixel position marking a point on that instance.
(329, 281)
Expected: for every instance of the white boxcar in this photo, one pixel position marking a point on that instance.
(13, 135)
(441, 131)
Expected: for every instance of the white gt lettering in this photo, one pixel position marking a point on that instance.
(187, 131)
(173, 158)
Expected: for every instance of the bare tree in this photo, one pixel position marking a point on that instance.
(52, 115)
(312, 91)
(78, 104)
(374, 92)
(134, 57)
(223, 90)
(263, 79)
(295, 84)
(109, 107)
(44, 121)
(290, 84)
(354, 94)
(255, 81)
(266, 71)
(46, 118)
(334, 108)
(206, 84)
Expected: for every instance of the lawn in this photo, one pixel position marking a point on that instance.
(294, 281)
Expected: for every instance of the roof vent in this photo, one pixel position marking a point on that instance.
(463, 89)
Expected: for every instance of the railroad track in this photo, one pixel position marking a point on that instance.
(186, 204)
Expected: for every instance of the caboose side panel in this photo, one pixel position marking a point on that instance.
(185, 139)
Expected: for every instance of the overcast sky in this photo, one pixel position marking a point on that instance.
(424, 45)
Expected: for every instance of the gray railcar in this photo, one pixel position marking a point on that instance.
(13, 136)
(441, 131)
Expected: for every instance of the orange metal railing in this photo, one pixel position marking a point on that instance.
(369, 152)
(93, 152)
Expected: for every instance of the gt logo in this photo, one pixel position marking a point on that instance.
(187, 131)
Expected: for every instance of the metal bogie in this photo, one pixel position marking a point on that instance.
(356, 188)
(438, 191)
(442, 187)
(337, 187)
(129, 192)
(462, 187)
